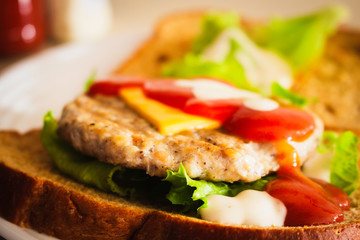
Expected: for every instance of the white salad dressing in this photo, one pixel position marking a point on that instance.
(262, 67)
(319, 166)
(249, 207)
(211, 89)
(261, 104)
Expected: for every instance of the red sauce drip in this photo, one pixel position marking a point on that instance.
(275, 125)
(167, 92)
(111, 86)
(220, 110)
(308, 202)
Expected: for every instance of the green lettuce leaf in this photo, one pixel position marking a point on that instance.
(213, 24)
(328, 141)
(107, 177)
(67, 160)
(344, 169)
(278, 91)
(193, 65)
(91, 79)
(342, 154)
(186, 191)
(223, 50)
(301, 40)
(192, 193)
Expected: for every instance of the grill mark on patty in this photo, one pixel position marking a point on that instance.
(121, 136)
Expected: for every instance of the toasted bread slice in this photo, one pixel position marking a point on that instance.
(34, 194)
(333, 83)
(171, 39)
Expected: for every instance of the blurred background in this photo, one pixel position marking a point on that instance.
(143, 14)
(54, 44)
(27, 24)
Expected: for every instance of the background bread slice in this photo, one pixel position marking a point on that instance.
(171, 39)
(35, 195)
(334, 81)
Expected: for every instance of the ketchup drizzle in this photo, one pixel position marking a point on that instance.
(308, 202)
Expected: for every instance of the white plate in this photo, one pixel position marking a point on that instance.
(53, 77)
(47, 81)
(10, 231)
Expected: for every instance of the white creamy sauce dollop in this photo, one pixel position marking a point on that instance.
(249, 207)
(319, 166)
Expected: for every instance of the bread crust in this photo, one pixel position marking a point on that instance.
(48, 202)
(42, 203)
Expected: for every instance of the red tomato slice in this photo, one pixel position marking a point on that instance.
(167, 92)
(281, 123)
(111, 86)
(220, 109)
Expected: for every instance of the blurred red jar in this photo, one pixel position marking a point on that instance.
(21, 26)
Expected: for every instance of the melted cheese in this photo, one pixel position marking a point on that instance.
(166, 119)
(249, 207)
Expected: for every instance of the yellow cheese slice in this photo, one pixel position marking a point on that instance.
(167, 120)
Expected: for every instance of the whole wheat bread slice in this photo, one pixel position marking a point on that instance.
(34, 194)
(333, 82)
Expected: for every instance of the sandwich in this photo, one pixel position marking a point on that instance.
(197, 138)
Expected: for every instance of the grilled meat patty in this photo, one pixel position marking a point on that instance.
(106, 128)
